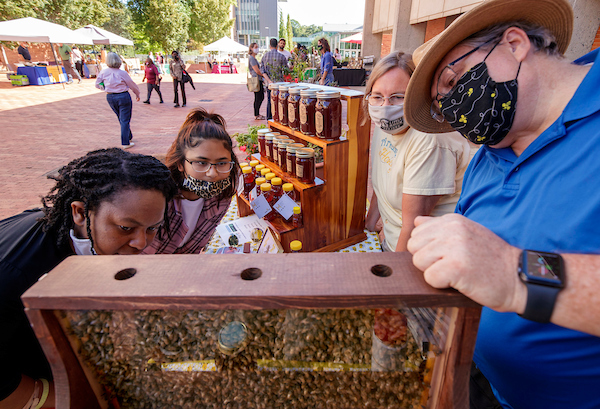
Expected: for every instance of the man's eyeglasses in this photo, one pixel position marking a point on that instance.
(203, 166)
(378, 100)
(448, 78)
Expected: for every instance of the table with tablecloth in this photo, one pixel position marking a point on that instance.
(43, 75)
(223, 69)
(349, 76)
(370, 245)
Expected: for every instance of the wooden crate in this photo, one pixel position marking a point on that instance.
(342, 282)
(333, 209)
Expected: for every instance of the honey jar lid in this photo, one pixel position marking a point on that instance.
(281, 142)
(293, 147)
(265, 187)
(263, 131)
(275, 85)
(253, 163)
(260, 181)
(259, 167)
(233, 337)
(246, 169)
(296, 90)
(328, 94)
(276, 181)
(308, 92)
(264, 171)
(305, 153)
(243, 165)
(296, 245)
(296, 209)
(285, 87)
(270, 176)
(288, 187)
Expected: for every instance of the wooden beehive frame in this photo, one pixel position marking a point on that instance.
(298, 281)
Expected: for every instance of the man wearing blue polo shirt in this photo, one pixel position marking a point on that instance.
(526, 239)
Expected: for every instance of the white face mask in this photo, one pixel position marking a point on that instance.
(390, 118)
(83, 247)
(255, 50)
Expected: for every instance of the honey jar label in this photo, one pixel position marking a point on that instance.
(303, 116)
(281, 111)
(319, 122)
(291, 113)
(289, 164)
(273, 106)
(299, 171)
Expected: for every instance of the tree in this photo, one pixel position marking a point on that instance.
(289, 37)
(75, 13)
(209, 20)
(164, 23)
(304, 31)
(282, 30)
(11, 9)
(119, 21)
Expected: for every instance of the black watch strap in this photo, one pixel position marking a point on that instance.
(540, 302)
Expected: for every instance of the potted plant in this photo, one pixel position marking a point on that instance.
(248, 141)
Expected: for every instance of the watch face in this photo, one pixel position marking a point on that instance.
(543, 268)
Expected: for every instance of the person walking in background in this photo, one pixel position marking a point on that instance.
(23, 51)
(326, 62)
(272, 65)
(176, 67)
(65, 55)
(78, 60)
(117, 84)
(254, 70)
(153, 76)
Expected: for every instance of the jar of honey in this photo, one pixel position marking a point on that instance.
(294, 107)
(288, 189)
(283, 103)
(253, 165)
(258, 182)
(269, 146)
(308, 103)
(265, 189)
(297, 217)
(270, 176)
(264, 171)
(291, 157)
(305, 165)
(274, 88)
(261, 140)
(248, 180)
(328, 115)
(282, 154)
(243, 165)
(276, 189)
(258, 168)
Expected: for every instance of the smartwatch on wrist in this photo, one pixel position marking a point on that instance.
(543, 275)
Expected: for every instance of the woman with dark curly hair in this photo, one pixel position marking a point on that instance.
(106, 202)
(203, 165)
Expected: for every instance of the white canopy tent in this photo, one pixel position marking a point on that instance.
(101, 36)
(39, 31)
(226, 45)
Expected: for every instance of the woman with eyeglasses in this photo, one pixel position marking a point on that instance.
(203, 165)
(413, 173)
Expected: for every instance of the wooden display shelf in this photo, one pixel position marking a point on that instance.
(333, 209)
(197, 283)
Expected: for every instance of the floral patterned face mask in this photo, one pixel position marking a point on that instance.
(481, 109)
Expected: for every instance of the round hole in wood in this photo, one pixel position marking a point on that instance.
(125, 274)
(251, 273)
(381, 270)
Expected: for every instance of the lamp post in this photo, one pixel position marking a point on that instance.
(267, 41)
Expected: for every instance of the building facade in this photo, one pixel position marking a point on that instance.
(256, 21)
(406, 24)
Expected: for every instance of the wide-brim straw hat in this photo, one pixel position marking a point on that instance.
(555, 15)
